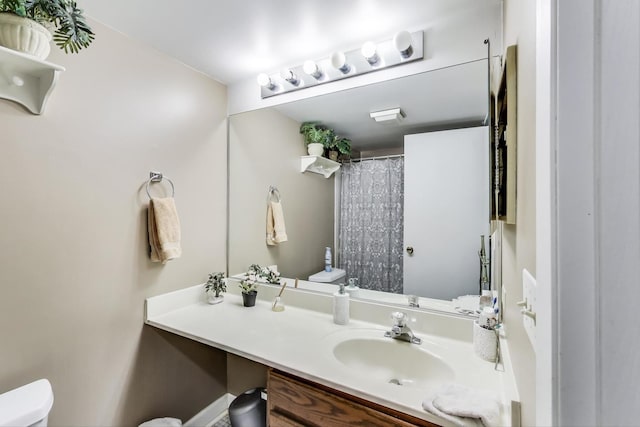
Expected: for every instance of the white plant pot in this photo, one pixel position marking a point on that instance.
(315, 149)
(24, 35)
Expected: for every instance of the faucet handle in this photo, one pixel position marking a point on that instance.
(399, 318)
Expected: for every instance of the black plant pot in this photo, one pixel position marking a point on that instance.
(249, 300)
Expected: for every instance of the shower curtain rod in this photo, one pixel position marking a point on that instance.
(375, 158)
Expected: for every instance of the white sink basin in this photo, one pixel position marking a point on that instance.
(389, 360)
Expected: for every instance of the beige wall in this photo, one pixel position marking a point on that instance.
(519, 241)
(265, 149)
(74, 270)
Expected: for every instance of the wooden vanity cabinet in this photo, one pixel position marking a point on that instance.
(294, 402)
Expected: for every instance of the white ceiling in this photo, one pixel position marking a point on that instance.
(234, 40)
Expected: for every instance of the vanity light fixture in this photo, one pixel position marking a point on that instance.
(311, 68)
(265, 81)
(339, 62)
(401, 49)
(402, 42)
(370, 53)
(391, 116)
(288, 75)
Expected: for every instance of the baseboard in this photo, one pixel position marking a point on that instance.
(212, 412)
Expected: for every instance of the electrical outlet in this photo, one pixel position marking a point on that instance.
(528, 309)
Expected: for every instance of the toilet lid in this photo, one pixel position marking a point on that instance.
(26, 405)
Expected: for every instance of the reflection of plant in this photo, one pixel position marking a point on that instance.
(270, 275)
(256, 274)
(72, 32)
(216, 283)
(340, 144)
(315, 133)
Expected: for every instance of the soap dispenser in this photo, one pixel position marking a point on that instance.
(341, 306)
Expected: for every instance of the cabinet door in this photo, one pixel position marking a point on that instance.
(293, 402)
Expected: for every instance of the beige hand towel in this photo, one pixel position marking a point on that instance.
(278, 223)
(270, 230)
(164, 230)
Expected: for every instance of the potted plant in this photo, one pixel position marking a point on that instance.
(339, 145)
(26, 26)
(216, 284)
(316, 137)
(249, 285)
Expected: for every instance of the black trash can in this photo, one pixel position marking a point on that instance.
(249, 409)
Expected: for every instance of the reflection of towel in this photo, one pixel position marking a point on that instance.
(162, 422)
(276, 231)
(463, 406)
(164, 230)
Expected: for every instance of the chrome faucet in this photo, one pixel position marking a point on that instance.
(400, 330)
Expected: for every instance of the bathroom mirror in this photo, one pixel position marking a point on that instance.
(265, 149)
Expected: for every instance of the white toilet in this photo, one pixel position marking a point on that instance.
(335, 276)
(26, 406)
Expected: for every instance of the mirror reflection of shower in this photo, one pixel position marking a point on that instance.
(370, 222)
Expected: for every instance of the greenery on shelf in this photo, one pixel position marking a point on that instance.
(71, 33)
(216, 283)
(341, 145)
(315, 133)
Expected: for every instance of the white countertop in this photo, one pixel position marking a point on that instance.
(298, 341)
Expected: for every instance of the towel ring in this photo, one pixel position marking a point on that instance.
(273, 191)
(158, 177)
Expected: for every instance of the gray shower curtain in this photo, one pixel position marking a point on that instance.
(371, 223)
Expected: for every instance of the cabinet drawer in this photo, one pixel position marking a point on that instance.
(296, 402)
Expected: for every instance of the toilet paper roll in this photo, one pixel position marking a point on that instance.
(485, 342)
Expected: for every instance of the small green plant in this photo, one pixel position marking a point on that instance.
(216, 283)
(341, 145)
(250, 279)
(315, 133)
(72, 32)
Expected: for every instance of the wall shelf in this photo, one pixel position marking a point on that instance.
(504, 144)
(26, 80)
(318, 164)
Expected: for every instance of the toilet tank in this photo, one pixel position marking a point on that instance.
(26, 406)
(334, 276)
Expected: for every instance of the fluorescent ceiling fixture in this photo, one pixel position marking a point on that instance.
(393, 115)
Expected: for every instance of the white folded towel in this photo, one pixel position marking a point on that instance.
(162, 422)
(276, 231)
(164, 230)
(463, 406)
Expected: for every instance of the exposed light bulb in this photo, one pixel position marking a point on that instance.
(339, 62)
(370, 54)
(311, 68)
(265, 81)
(402, 41)
(288, 75)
